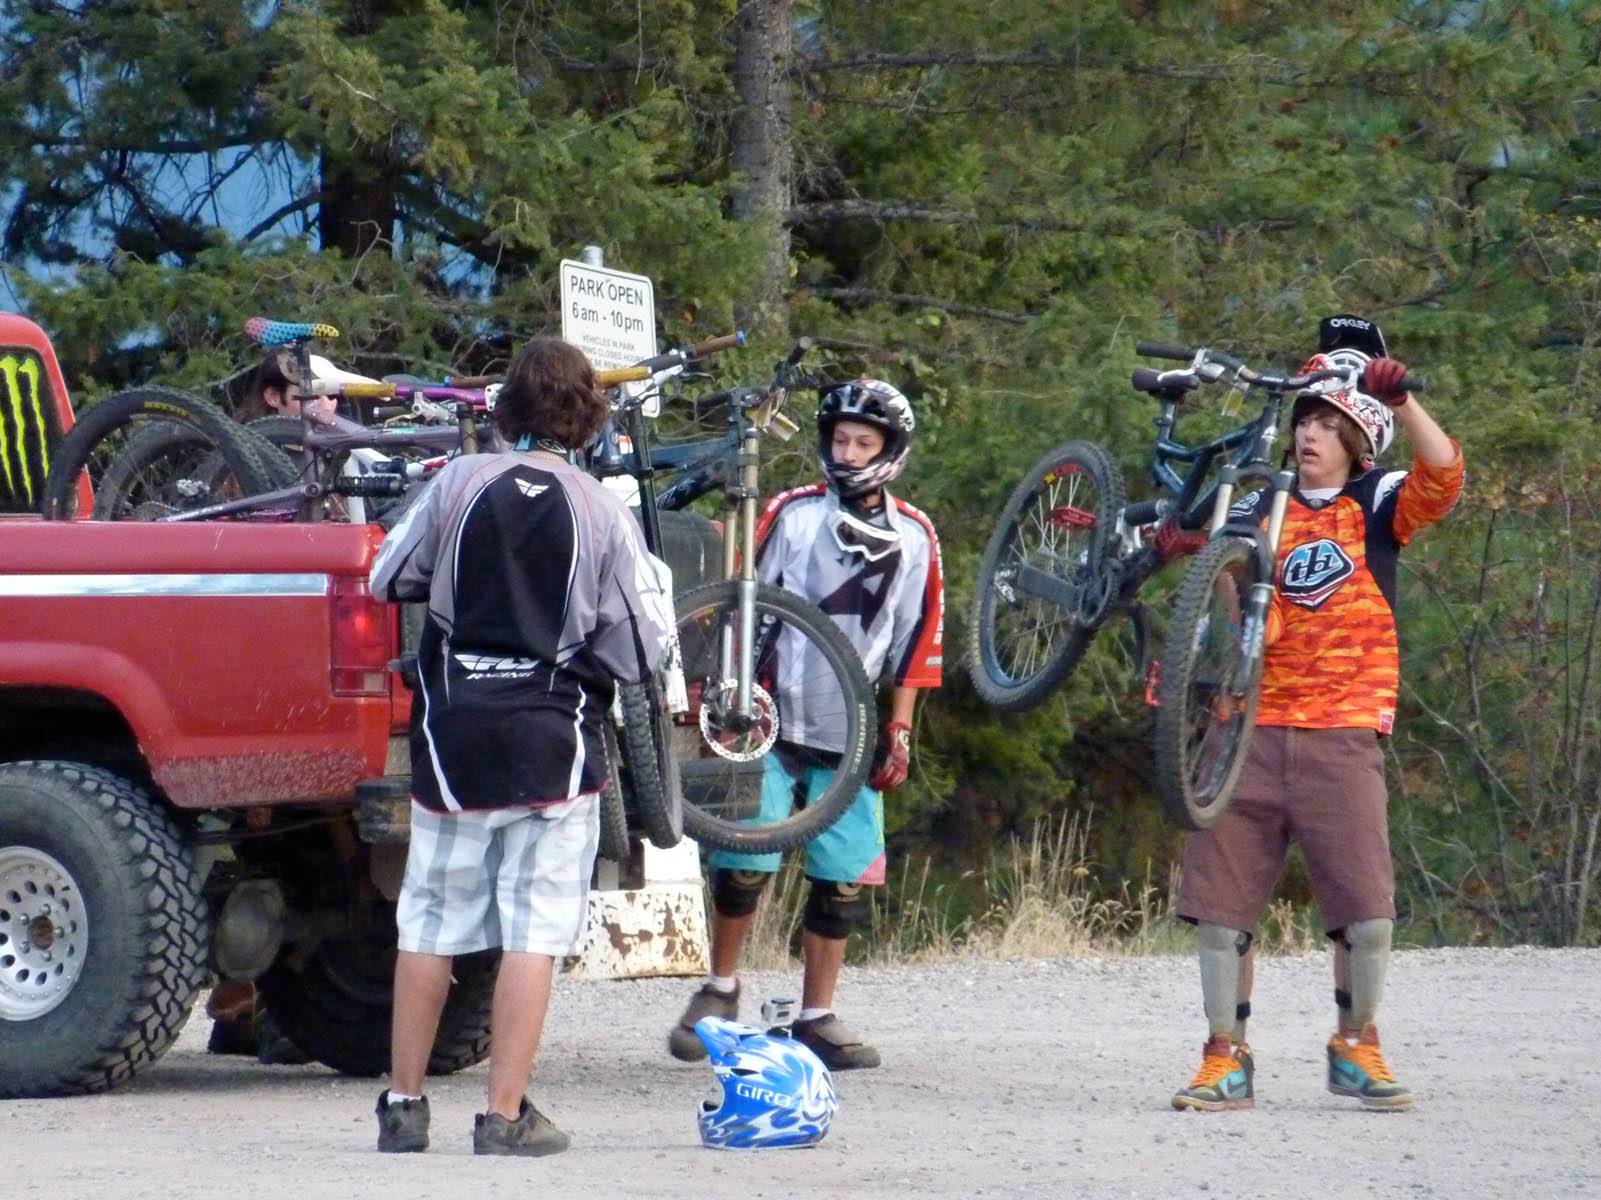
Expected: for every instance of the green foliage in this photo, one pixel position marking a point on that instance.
(991, 204)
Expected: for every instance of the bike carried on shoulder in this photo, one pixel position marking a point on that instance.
(1071, 549)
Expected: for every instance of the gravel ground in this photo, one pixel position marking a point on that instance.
(1017, 1079)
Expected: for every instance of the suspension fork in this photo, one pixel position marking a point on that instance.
(1265, 545)
(1260, 602)
(739, 564)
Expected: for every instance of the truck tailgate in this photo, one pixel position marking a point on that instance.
(212, 639)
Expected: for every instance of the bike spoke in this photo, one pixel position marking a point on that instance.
(1053, 534)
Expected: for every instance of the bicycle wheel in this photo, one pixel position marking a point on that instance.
(283, 435)
(170, 467)
(1208, 691)
(141, 419)
(1041, 575)
(652, 791)
(809, 696)
(614, 843)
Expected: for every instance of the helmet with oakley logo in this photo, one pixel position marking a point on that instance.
(1347, 331)
(872, 402)
(777, 1093)
(1375, 419)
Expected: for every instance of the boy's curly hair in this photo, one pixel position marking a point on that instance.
(550, 392)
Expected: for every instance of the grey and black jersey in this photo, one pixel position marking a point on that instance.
(540, 595)
(890, 606)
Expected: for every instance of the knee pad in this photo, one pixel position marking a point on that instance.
(834, 909)
(1218, 938)
(735, 893)
(1371, 934)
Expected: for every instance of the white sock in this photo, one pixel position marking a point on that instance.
(395, 1097)
(723, 983)
(811, 1014)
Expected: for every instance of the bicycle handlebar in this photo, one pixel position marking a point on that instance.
(1202, 356)
(612, 376)
(802, 345)
(645, 368)
(365, 391)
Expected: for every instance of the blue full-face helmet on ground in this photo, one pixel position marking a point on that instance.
(777, 1094)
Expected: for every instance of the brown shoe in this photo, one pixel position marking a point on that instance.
(682, 1041)
(531, 1135)
(833, 1041)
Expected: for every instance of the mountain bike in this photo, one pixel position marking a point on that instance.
(234, 461)
(160, 455)
(763, 668)
(1070, 550)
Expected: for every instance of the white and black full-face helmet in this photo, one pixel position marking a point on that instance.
(872, 402)
(1375, 420)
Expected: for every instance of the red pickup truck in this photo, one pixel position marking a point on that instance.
(201, 777)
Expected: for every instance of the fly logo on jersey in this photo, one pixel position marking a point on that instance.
(25, 414)
(531, 490)
(1314, 571)
(492, 666)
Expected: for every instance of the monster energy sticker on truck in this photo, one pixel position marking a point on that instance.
(27, 430)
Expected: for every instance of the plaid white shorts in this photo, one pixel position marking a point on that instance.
(517, 878)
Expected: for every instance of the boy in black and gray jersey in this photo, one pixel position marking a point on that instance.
(540, 595)
(871, 561)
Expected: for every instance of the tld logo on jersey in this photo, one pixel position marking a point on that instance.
(1313, 572)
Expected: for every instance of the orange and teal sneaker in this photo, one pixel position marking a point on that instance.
(1360, 1071)
(1224, 1080)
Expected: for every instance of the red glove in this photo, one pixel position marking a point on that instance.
(895, 757)
(1385, 380)
(1172, 542)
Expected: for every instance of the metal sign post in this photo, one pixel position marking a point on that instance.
(647, 917)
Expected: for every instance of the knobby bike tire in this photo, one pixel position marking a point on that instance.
(1209, 688)
(282, 434)
(108, 428)
(1016, 671)
(652, 790)
(614, 842)
(835, 682)
(143, 480)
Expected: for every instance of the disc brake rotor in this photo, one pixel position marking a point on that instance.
(738, 745)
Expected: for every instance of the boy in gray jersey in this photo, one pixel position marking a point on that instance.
(540, 595)
(871, 561)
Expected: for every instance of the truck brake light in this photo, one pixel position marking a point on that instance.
(363, 639)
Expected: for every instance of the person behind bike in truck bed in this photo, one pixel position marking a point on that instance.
(540, 596)
(1315, 771)
(871, 561)
(276, 389)
(241, 1023)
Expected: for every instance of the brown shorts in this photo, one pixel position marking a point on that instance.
(1320, 788)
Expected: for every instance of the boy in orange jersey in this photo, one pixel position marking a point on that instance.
(1315, 771)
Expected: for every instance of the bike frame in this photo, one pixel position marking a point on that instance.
(750, 410)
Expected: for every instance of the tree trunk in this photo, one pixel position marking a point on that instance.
(358, 208)
(762, 150)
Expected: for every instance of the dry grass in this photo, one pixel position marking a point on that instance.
(1036, 898)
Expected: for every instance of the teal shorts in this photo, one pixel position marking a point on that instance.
(851, 850)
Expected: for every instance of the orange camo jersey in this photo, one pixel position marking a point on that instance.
(1332, 660)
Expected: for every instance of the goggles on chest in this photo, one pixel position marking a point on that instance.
(854, 535)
